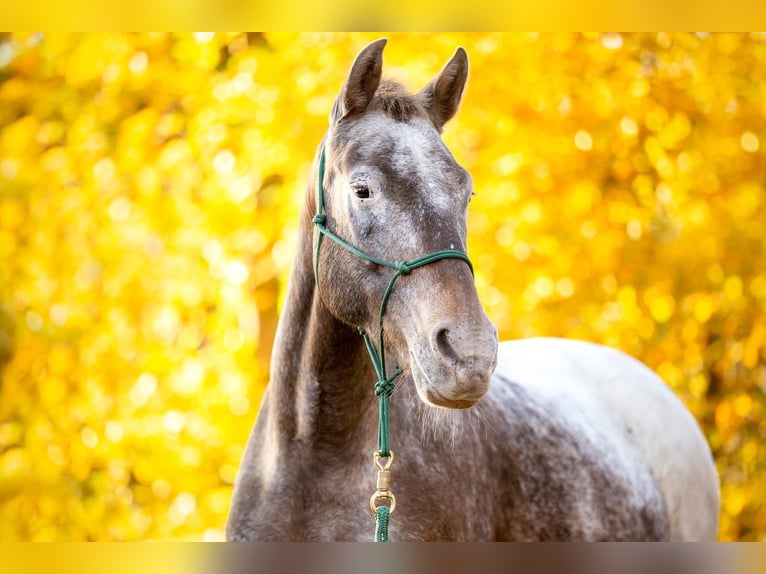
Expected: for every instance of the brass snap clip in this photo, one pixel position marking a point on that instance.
(384, 480)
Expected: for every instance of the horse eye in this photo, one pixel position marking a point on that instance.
(362, 191)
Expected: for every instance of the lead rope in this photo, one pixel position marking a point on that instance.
(385, 384)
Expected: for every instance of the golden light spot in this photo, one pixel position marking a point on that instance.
(521, 250)
(138, 63)
(628, 126)
(703, 307)
(223, 91)
(9, 168)
(611, 41)
(241, 188)
(239, 405)
(104, 170)
(124, 494)
(698, 385)
(532, 213)
(743, 405)
(609, 284)
(686, 161)
(758, 287)
(191, 456)
(56, 455)
(665, 167)
(34, 320)
(565, 287)
(214, 535)
(618, 212)
(732, 287)
(634, 229)
(218, 499)
(508, 164)
(669, 372)
(661, 305)
(639, 88)
(175, 152)
(228, 473)
(750, 451)
(161, 489)
(505, 236)
(749, 142)
(627, 297)
(204, 37)
(166, 324)
(113, 431)
(58, 314)
(656, 118)
(588, 229)
(53, 390)
(734, 501)
(143, 389)
(224, 162)
(183, 505)
(664, 193)
(582, 198)
(715, 273)
(191, 377)
(8, 51)
(10, 433)
(583, 141)
(212, 250)
(11, 462)
(265, 116)
(242, 82)
(89, 437)
(119, 209)
(492, 296)
(543, 287)
(174, 421)
(236, 272)
(281, 253)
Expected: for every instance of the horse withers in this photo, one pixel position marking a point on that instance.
(535, 439)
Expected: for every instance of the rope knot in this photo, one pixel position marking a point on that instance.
(385, 387)
(319, 219)
(402, 267)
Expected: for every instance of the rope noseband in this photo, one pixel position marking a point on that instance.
(385, 384)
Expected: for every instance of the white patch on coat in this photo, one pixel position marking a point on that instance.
(609, 394)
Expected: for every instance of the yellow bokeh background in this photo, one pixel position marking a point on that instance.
(150, 186)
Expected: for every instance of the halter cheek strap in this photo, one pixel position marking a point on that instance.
(385, 384)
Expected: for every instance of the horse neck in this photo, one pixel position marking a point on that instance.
(321, 388)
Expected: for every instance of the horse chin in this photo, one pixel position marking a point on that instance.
(435, 399)
(438, 396)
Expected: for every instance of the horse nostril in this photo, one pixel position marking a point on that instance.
(443, 345)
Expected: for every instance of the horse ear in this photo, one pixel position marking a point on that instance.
(441, 96)
(362, 81)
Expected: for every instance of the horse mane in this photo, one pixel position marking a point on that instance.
(392, 99)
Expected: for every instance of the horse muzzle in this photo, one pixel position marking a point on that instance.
(454, 367)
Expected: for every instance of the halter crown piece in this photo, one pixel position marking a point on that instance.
(385, 384)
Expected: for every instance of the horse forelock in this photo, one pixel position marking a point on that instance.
(395, 102)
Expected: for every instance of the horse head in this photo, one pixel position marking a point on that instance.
(391, 189)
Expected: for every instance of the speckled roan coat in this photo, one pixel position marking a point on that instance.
(537, 439)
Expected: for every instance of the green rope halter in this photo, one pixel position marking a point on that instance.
(385, 384)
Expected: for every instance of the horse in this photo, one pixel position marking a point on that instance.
(528, 440)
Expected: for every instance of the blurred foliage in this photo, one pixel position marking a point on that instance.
(149, 192)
